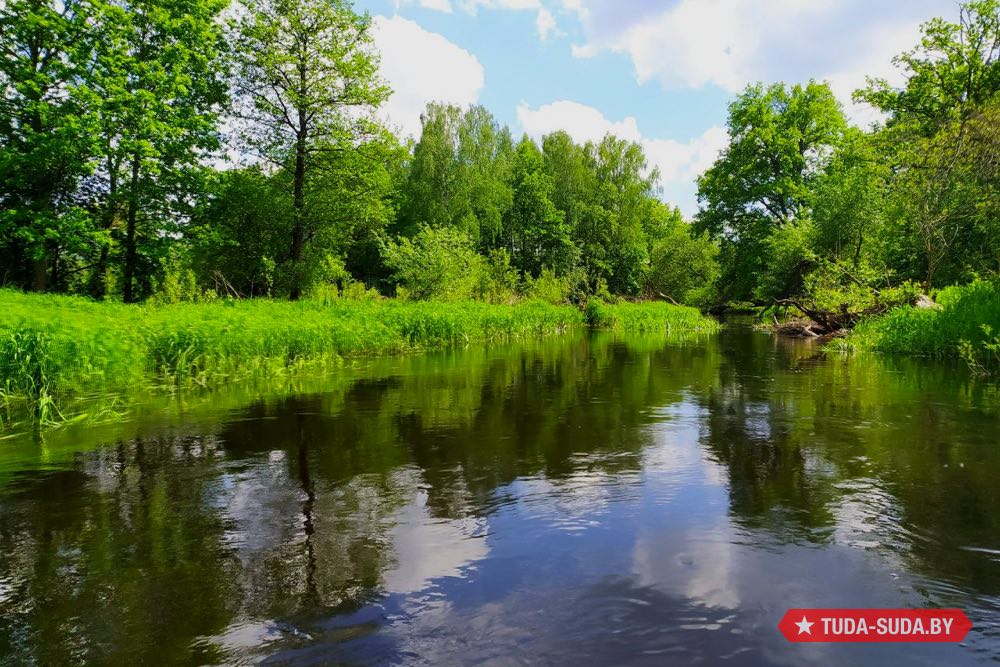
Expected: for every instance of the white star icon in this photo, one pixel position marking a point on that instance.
(805, 626)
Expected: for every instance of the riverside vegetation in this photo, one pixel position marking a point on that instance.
(54, 349)
(111, 193)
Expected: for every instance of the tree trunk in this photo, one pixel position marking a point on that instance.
(299, 197)
(131, 252)
(40, 275)
(299, 228)
(99, 277)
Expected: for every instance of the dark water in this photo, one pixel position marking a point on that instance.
(586, 500)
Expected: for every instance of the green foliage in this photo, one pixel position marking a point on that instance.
(551, 288)
(459, 176)
(837, 287)
(239, 229)
(651, 316)
(850, 203)
(437, 263)
(59, 348)
(47, 139)
(536, 230)
(178, 283)
(788, 256)
(781, 140)
(684, 265)
(498, 280)
(964, 325)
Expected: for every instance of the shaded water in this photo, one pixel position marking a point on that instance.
(585, 500)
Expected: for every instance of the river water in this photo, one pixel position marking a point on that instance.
(590, 499)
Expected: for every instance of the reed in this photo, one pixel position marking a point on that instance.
(649, 316)
(57, 348)
(965, 326)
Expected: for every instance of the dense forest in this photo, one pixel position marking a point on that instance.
(186, 150)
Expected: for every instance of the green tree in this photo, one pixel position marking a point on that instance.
(157, 76)
(307, 86)
(240, 229)
(614, 213)
(46, 139)
(460, 174)
(955, 67)
(536, 231)
(781, 140)
(683, 265)
(850, 202)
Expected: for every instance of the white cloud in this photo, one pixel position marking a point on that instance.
(679, 162)
(421, 67)
(730, 43)
(582, 122)
(684, 162)
(545, 23)
(472, 5)
(437, 5)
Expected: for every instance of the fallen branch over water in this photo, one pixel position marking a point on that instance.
(820, 323)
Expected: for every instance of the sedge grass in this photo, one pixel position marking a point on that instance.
(648, 317)
(53, 348)
(965, 326)
(58, 349)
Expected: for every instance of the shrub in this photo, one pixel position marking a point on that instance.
(498, 280)
(437, 263)
(550, 288)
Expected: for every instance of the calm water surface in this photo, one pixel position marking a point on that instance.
(585, 500)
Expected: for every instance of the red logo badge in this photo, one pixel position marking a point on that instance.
(875, 625)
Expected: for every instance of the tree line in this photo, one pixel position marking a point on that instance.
(188, 148)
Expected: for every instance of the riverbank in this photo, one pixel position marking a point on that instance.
(55, 349)
(965, 324)
(647, 316)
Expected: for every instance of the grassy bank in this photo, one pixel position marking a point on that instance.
(967, 326)
(54, 349)
(649, 316)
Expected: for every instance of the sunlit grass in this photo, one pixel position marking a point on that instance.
(967, 326)
(652, 316)
(54, 348)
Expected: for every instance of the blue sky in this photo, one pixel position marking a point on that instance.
(660, 73)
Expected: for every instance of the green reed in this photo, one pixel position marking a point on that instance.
(966, 326)
(57, 348)
(650, 316)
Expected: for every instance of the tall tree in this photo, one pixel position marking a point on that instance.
(307, 86)
(954, 68)
(614, 213)
(536, 231)
(781, 139)
(460, 174)
(46, 136)
(156, 72)
(941, 145)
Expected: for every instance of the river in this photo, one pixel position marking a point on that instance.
(586, 499)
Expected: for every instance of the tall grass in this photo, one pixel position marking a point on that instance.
(57, 348)
(967, 326)
(651, 316)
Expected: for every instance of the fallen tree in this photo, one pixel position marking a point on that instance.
(819, 322)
